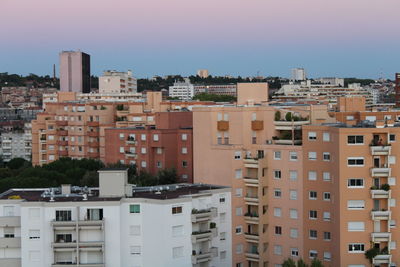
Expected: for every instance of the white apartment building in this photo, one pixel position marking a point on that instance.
(182, 90)
(217, 89)
(117, 82)
(116, 225)
(17, 144)
(298, 74)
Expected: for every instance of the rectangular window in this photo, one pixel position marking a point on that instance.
(155, 137)
(159, 150)
(355, 204)
(312, 136)
(238, 155)
(9, 232)
(313, 234)
(326, 137)
(121, 136)
(278, 230)
(94, 214)
(327, 196)
(294, 232)
(222, 255)
(293, 156)
(277, 212)
(238, 173)
(293, 194)
(238, 229)
(143, 164)
(143, 150)
(313, 214)
(392, 137)
(312, 155)
(350, 118)
(177, 210)
(143, 137)
(356, 248)
(326, 156)
(278, 250)
(293, 175)
(355, 139)
(135, 250)
(277, 174)
(326, 176)
(184, 164)
(184, 137)
(294, 252)
(121, 149)
(277, 155)
(313, 254)
(239, 192)
(312, 175)
(327, 236)
(239, 249)
(312, 195)
(239, 211)
(355, 183)
(293, 214)
(177, 252)
(184, 150)
(63, 215)
(277, 193)
(327, 216)
(135, 208)
(222, 198)
(355, 161)
(222, 236)
(356, 226)
(327, 256)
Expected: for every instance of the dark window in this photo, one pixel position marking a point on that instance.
(63, 215)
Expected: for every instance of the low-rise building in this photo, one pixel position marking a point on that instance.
(117, 82)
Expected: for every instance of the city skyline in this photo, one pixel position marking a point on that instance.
(338, 38)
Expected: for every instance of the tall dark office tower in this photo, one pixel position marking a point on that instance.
(74, 72)
(397, 89)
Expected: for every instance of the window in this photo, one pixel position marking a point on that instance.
(313, 254)
(177, 252)
(278, 250)
(277, 174)
(293, 214)
(293, 194)
(294, 232)
(294, 252)
(326, 156)
(159, 164)
(144, 164)
(355, 139)
(121, 136)
(184, 150)
(184, 164)
(239, 192)
(222, 217)
(392, 137)
(63, 215)
(293, 175)
(312, 175)
(355, 204)
(327, 256)
(239, 249)
(313, 215)
(326, 137)
(327, 216)
(135, 250)
(355, 183)
(312, 136)
(159, 150)
(143, 137)
(143, 150)
(134, 230)
(313, 234)
(327, 196)
(350, 117)
(177, 210)
(312, 195)
(355, 161)
(9, 232)
(155, 137)
(67, 238)
(278, 230)
(356, 226)
(392, 244)
(238, 155)
(238, 229)
(277, 212)
(277, 193)
(312, 155)
(94, 214)
(239, 264)
(222, 236)
(184, 137)
(239, 211)
(326, 176)
(277, 155)
(8, 211)
(121, 149)
(238, 173)
(327, 236)
(135, 208)
(293, 156)
(356, 248)
(222, 255)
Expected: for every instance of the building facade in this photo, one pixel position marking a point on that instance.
(117, 82)
(74, 72)
(116, 225)
(182, 90)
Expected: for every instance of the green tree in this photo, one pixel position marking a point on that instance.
(288, 116)
(316, 263)
(301, 263)
(167, 176)
(18, 163)
(289, 263)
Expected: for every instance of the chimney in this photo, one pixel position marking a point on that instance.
(66, 189)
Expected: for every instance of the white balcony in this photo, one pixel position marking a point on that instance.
(380, 150)
(381, 172)
(199, 258)
(289, 125)
(252, 256)
(251, 200)
(250, 181)
(201, 237)
(381, 237)
(378, 193)
(287, 142)
(252, 238)
(251, 219)
(250, 163)
(201, 216)
(382, 259)
(380, 215)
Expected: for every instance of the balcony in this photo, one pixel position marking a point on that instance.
(252, 256)
(131, 141)
(380, 172)
(63, 153)
(61, 123)
(223, 126)
(380, 193)
(287, 142)
(251, 237)
(257, 125)
(60, 225)
(93, 133)
(199, 258)
(62, 132)
(94, 144)
(380, 150)
(251, 218)
(382, 259)
(381, 237)
(202, 215)
(62, 143)
(63, 245)
(93, 123)
(10, 242)
(80, 264)
(90, 245)
(94, 154)
(131, 154)
(289, 125)
(251, 200)
(251, 181)
(201, 236)
(250, 163)
(380, 215)
(10, 221)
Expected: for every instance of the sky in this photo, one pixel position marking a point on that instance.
(344, 38)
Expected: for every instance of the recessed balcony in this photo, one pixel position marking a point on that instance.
(251, 218)
(251, 200)
(201, 236)
(290, 125)
(250, 162)
(203, 257)
(201, 215)
(380, 172)
(252, 256)
(251, 181)
(381, 237)
(380, 215)
(380, 150)
(251, 237)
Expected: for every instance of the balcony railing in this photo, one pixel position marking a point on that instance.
(381, 237)
(14, 242)
(203, 257)
(250, 162)
(252, 256)
(380, 215)
(252, 237)
(251, 181)
(251, 199)
(380, 150)
(201, 236)
(380, 172)
(382, 259)
(290, 125)
(380, 193)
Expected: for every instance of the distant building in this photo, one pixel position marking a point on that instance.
(117, 82)
(74, 72)
(298, 74)
(117, 224)
(202, 73)
(182, 90)
(397, 89)
(16, 144)
(218, 89)
(331, 80)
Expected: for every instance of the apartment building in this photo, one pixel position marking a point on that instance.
(117, 82)
(166, 144)
(116, 225)
(182, 90)
(218, 89)
(350, 193)
(74, 72)
(16, 144)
